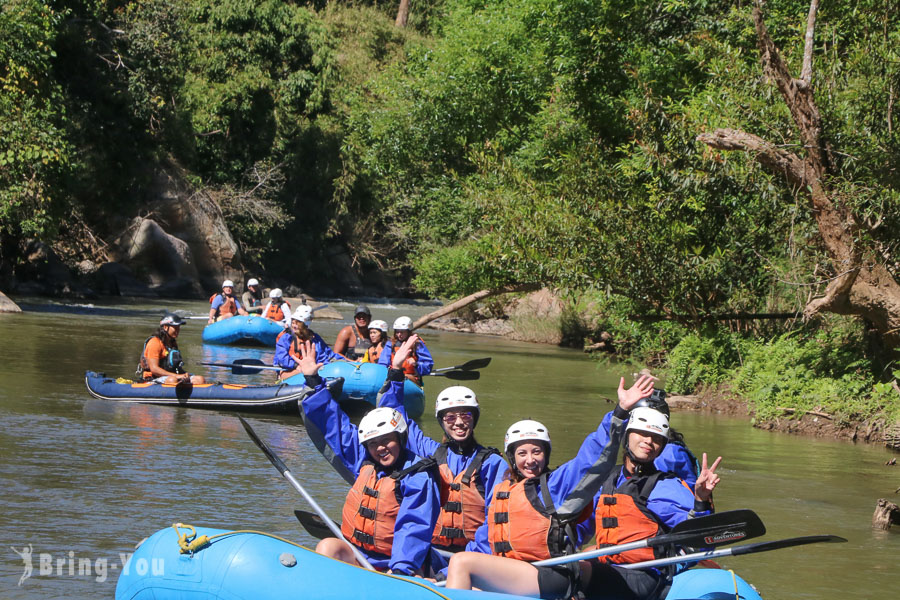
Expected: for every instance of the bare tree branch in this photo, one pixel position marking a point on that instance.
(806, 72)
(766, 153)
(458, 304)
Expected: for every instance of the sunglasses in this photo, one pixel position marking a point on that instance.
(451, 417)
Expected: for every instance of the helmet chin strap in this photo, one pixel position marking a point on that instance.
(640, 467)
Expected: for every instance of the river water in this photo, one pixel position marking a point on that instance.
(83, 480)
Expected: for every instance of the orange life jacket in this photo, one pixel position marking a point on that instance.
(622, 516)
(409, 365)
(371, 508)
(274, 313)
(229, 307)
(462, 500)
(372, 354)
(525, 527)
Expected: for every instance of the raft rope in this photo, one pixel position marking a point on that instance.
(190, 543)
(737, 594)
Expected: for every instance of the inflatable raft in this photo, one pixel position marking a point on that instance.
(267, 398)
(243, 330)
(257, 566)
(362, 382)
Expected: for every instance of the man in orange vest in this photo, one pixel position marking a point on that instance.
(225, 305)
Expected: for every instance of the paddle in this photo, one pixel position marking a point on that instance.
(458, 375)
(316, 527)
(737, 551)
(273, 458)
(710, 531)
(244, 366)
(477, 363)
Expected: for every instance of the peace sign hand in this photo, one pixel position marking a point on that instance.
(707, 480)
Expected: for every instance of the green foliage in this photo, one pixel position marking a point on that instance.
(35, 155)
(701, 360)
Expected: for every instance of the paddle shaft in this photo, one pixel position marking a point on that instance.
(735, 551)
(241, 367)
(282, 468)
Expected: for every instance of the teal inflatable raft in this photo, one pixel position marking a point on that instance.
(256, 566)
(252, 331)
(362, 381)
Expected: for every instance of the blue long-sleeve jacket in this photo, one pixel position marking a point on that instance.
(424, 361)
(324, 353)
(336, 437)
(574, 483)
(674, 458)
(492, 468)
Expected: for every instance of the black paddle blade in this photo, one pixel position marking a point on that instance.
(718, 529)
(273, 458)
(461, 375)
(478, 363)
(313, 524)
(787, 543)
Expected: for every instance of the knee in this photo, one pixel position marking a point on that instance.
(461, 561)
(329, 547)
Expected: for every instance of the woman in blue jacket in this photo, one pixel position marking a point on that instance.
(391, 509)
(419, 361)
(288, 342)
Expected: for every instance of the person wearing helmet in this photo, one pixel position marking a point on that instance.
(287, 344)
(390, 511)
(353, 340)
(252, 297)
(419, 362)
(225, 305)
(378, 335)
(161, 360)
(676, 457)
(467, 470)
(277, 309)
(534, 511)
(637, 501)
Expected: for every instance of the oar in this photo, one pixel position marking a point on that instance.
(273, 458)
(316, 527)
(477, 363)
(244, 366)
(737, 551)
(458, 375)
(703, 532)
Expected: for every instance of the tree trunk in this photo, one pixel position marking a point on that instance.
(402, 14)
(886, 514)
(462, 302)
(860, 285)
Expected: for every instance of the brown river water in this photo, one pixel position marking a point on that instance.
(83, 480)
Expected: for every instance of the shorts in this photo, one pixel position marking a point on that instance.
(558, 582)
(609, 582)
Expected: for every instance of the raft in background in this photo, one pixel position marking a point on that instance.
(281, 397)
(362, 382)
(252, 330)
(257, 566)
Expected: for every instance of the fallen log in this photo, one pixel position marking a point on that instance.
(815, 413)
(467, 300)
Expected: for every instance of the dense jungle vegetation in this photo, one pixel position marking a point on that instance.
(496, 142)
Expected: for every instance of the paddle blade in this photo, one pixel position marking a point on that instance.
(478, 363)
(716, 529)
(788, 543)
(461, 375)
(313, 524)
(282, 468)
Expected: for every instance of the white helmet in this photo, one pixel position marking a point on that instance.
(303, 314)
(275, 293)
(228, 283)
(526, 430)
(381, 421)
(252, 281)
(648, 420)
(457, 396)
(380, 325)
(403, 323)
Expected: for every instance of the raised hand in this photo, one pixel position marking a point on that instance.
(707, 480)
(404, 351)
(642, 388)
(308, 364)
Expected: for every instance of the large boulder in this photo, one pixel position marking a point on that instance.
(115, 279)
(156, 256)
(7, 305)
(42, 273)
(193, 216)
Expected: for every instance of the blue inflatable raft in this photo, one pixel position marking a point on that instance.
(362, 381)
(257, 566)
(252, 331)
(266, 398)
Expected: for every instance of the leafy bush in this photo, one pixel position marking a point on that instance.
(700, 360)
